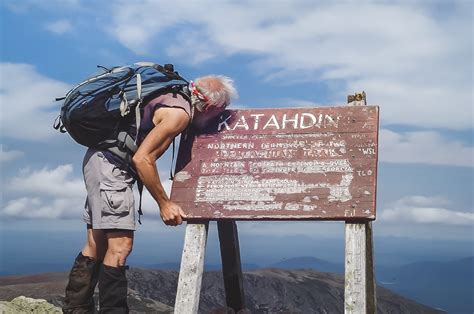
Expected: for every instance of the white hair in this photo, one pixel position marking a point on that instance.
(218, 88)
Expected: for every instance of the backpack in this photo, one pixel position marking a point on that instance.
(100, 111)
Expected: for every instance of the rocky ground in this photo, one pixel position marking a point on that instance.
(266, 291)
(23, 304)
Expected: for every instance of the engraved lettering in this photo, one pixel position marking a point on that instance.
(256, 117)
(224, 123)
(272, 122)
(302, 120)
(241, 123)
(294, 121)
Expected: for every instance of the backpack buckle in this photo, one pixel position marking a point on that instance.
(121, 145)
(124, 104)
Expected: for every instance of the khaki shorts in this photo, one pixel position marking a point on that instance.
(110, 203)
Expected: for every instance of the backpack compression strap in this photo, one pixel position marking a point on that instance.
(140, 192)
(137, 107)
(124, 146)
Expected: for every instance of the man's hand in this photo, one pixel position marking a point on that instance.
(171, 213)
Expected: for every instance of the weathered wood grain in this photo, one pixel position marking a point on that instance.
(192, 268)
(359, 294)
(231, 265)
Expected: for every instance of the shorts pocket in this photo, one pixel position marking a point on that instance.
(116, 200)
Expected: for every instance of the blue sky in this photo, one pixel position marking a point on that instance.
(413, 59)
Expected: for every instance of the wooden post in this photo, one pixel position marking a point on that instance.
(231, 266)
(359, 290)
(192, 268)
(359, 294)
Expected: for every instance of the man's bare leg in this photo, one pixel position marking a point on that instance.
(119, 246)
(85, 274)
(96, 244)
(112, 280)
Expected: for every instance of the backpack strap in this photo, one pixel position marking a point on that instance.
(140, 192)
(58, 125)
(124, 104)
(168, 70)
(172, 160)
(138, 118)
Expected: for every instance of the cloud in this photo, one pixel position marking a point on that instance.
(202, 49)
(425, 147)
(35, 207)
(9, 155)
(426, 211)
(59, 27)
(56, 182)
(423, 104)
(34, 110)
(45, 193)
(416, 70)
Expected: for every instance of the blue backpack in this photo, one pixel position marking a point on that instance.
(103, 111)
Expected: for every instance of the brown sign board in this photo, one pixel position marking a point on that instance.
(285, 164)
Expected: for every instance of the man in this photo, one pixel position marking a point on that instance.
(109, 211)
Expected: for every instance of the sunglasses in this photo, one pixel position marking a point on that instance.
(202, 104)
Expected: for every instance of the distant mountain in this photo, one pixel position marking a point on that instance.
(446, 285)
(207, 267)
(309, 262)
(266, 291)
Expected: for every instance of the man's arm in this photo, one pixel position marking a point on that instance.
(169, 122)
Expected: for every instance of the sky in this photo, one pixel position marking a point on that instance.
(414, 59)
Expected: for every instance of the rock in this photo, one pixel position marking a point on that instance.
(28, 305)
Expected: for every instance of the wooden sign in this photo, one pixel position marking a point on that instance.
(288, 164)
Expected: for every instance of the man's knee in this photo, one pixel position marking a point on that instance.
(119, 248)
(119, 253)
(122, 249)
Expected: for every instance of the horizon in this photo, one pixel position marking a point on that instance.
(388, 251)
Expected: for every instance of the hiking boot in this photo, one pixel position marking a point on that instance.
(80, 288)
(113, 290)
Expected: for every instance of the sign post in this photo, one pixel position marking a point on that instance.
(279, 164)
(192, 267)
(231, 267)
